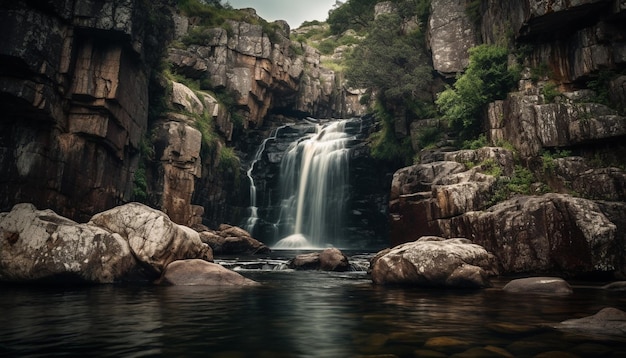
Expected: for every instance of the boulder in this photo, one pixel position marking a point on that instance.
(547, 233)
(39, 245)
(327, 260)
(154, 239)
(435, 262)
(541, 285)
(607, 322)
(615, 286)
(233, 240)
(197, 272)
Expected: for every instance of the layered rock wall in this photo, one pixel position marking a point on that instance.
(74, 93)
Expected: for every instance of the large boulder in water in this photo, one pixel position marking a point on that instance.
(130, 242)
(540, 285)
(328, 260)
(232, 240)
(153, 238)
(202, 273)
(607, 322)
(41, 245)
(435, 262)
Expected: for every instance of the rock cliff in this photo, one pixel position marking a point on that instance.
(564, 128)
(74, 94)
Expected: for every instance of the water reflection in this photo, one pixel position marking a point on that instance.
(293, 314)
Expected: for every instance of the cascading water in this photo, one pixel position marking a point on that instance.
(313, 184)
(314, 181)
(253, 210)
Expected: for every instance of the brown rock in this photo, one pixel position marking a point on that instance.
(202, 273)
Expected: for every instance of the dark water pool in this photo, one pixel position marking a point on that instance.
(297, 314)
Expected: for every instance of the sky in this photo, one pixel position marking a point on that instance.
(295, 12)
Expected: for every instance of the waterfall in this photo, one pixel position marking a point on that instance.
(314, 186)
(253, 210)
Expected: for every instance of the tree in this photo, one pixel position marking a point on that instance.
(353, 14)
(389, 62)
(486, 79)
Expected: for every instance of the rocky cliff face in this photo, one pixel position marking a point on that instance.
(75, 89)
(263, 71)
(570, 141)
(74, 93)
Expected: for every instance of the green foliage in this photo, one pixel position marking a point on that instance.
(210, 139)
(212, 14)
(140, 184)
(540, 72)
(548, 157)
(550, 91)
(486, 79)
(384, 143)
(477, 143)
(229, 162)
(429, 136)
(519, 183)
(473, 11)
(600, 85)
(390, 63)
(353, 14)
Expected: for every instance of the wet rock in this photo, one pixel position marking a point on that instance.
(131, 242)
(480, 352)
(153, 238)
(541, 285)
(434, 261)
(447, 344)
(41, 245)
(232, 240)
(328, 260)
(607, 322)
(201, 273)
(615, 286)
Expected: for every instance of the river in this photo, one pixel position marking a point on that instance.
(296, 314)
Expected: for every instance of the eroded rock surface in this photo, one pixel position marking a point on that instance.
(435, 262)
(232, 240)
(131, 242)
(327, 260)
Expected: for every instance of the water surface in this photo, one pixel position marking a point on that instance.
(294, 314)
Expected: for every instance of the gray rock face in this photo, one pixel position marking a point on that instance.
(579, 40)
(76, 104)
(451, 34)
(530, 126)
(608, 321)
(435, 262)
(541, 285)
(126, 243)
(201, 273)
(549, 233)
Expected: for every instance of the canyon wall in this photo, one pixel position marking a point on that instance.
(74, 96)
(566, 145)
(91, 122)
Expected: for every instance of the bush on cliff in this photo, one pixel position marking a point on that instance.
(487, 78)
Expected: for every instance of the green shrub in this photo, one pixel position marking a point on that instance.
(385, 145)
(550, 91)
(486, 79)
